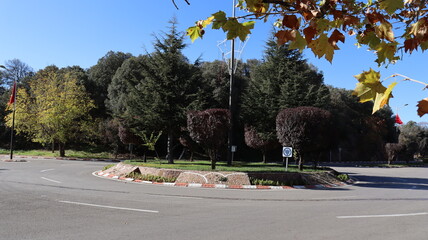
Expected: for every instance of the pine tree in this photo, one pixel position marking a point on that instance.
(159, 99)
(283, 80)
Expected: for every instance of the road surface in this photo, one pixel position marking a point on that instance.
(55, 199)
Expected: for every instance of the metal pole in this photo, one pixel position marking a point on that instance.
(232, 99)
(13, 119)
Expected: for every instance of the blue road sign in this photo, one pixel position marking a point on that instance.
(287, 152)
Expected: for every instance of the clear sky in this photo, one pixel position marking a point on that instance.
(79, 32)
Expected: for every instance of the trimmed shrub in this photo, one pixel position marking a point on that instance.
(209, 128)
(306, 129)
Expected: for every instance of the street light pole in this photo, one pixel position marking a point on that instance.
(13, 100)
(232, 101)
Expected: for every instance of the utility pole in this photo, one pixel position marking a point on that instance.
(232, 101)
(12, 101)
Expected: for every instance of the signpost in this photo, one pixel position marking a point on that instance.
(287, 152)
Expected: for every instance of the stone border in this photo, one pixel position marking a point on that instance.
(101, 174)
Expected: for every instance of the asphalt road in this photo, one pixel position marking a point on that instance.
(54, 199)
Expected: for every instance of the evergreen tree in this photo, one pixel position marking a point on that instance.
(215, 90)
(100, 77)
(128, 76)
(283, 80)
(154, 92)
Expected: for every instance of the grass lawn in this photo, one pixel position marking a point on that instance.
(68, 153)
(220, 166)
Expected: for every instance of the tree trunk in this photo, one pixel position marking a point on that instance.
(182, 154)
(300, 162)
(62, 149)
(170, 148)
(53, 146)
(213, 161)
(264, 157)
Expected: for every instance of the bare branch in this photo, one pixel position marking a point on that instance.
(173, 1)
(175, 4)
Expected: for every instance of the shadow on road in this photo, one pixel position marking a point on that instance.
(391, 182)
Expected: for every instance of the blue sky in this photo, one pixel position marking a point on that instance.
(79, 32)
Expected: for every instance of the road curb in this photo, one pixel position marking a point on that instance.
(101, 174)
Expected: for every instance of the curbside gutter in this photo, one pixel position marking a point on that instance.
(101, 174)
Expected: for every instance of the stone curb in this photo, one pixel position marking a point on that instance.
(216, 186)
(24, 158)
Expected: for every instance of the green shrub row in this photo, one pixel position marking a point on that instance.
(267, 182)
(343, 177)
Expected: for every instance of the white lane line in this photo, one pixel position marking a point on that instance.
(110, 207)
(50, 180)
(47, 170)
(383, 216)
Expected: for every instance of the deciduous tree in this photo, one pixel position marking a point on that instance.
(54, 109)
(209, 128)
(306, 129)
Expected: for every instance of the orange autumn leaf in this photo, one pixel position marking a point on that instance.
(284, 36)
(422, 107)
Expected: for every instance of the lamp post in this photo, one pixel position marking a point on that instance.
(232, 100)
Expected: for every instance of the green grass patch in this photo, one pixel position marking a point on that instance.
(267, 182)
(220, 166)
(108, 166)
(68, 153)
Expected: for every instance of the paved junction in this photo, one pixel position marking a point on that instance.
(44, 199)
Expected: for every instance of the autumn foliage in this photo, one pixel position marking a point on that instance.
(306, 129)
(254, 140)
(209, 128)
(384, 27)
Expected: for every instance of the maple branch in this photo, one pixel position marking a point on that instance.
(280, 2)
(408, 79)
(265, 15)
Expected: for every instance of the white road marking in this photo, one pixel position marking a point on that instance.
(50, 180)
(47, 170)
(382, 216)
(110, 207)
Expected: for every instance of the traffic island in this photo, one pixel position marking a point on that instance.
(229, 180)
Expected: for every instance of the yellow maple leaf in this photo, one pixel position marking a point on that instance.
(384, 31)
(368, 86)
(382, 98)
(298, 43)
(391, 6)
(321, 47)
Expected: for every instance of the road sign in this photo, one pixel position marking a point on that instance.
(287, 152)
